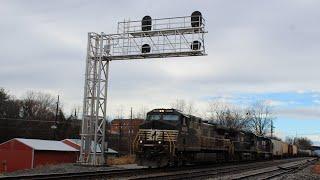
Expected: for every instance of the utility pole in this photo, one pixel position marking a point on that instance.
(57, 110)
(130, 132)
(120, 134)
(272, 128)
(75, 113)
(55, 126)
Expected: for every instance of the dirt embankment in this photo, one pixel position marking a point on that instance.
(316, 168)
(121, 160)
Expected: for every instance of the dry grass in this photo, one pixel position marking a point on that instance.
(316, 168)
(121, 160)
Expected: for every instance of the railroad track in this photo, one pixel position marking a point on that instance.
(217, 172)
(189, 172)
(81, 175)
(276, 171)
(99, 174)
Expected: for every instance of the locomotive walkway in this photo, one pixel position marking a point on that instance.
(253, 170)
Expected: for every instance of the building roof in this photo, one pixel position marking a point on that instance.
(46, 145)
(78, 142)
(128, 121)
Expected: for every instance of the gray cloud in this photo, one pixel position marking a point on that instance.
(252, 46)
(308, 113)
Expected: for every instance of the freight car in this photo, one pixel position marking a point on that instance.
(292, 150)
(263, 147)
(277, 151)
(170, 137)
(304, 152)
(282, 149)
(285, 149)
(317, 153)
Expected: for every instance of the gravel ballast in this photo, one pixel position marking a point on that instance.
(61, 168)
(308, 173)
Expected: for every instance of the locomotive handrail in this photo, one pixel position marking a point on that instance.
(134, 146)
(171, 142)
(169, 136)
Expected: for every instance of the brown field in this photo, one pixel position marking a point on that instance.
(316, 168)
(121, 160)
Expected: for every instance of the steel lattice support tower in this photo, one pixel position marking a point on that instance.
(149, 38)
(95, 102)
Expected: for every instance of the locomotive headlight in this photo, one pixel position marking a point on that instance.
(159, 142)
(140, 141)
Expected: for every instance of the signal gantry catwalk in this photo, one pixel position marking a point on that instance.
(148, 38)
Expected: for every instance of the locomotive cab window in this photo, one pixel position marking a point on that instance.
(166, 117)
(170, 117)
(154, 117)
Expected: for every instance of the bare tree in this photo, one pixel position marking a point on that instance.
(182, 105)
(260, 115)
(228, 115)
(9, 106)
(120, 112)
(179, 104)
(37, 105)
(141, 113)
(303, 142)
(13, 108)
(4, 97)
(289, 140)
(217, 110)
(190, 108)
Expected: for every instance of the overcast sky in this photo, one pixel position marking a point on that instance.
(257, 50)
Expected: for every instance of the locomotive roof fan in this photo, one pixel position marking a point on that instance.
(146, 23)
(145, 48)
(196, 19)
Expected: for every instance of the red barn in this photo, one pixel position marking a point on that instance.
(76, 143)
(18, 153)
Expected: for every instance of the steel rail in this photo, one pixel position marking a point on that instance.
(214, 172)
(277, 171)
(75, 175)
(190, 172)
(293, 170)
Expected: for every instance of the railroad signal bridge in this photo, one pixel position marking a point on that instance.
(143, 39)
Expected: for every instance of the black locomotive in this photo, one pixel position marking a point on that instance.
(170, 137)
